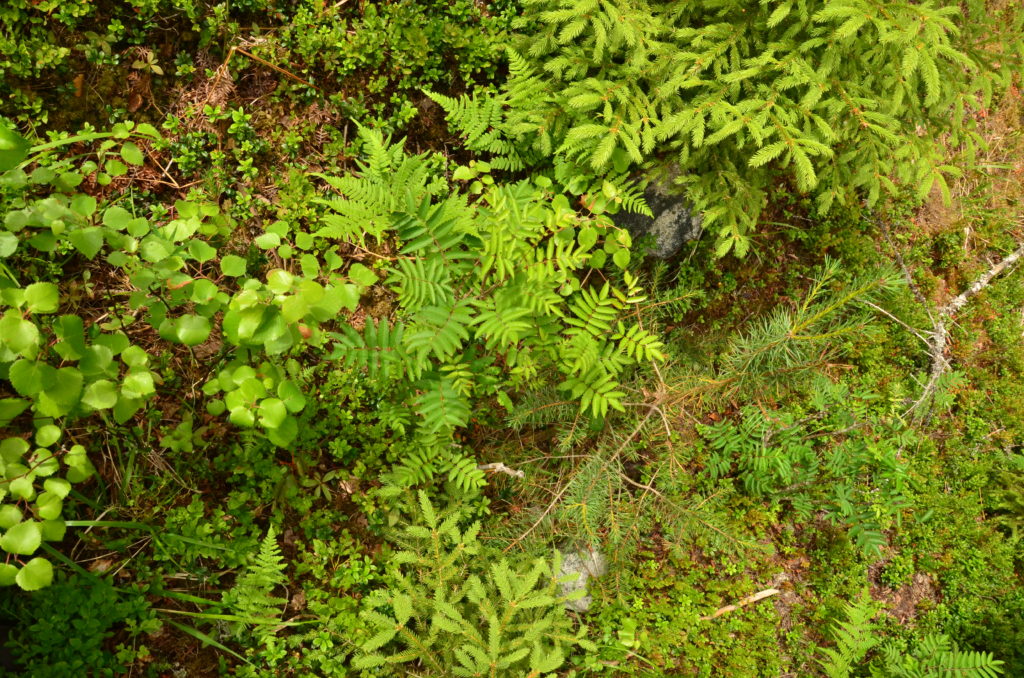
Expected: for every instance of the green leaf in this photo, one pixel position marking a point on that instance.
(272, 413)
(84, 205)
(23, 488)
(13, 449)
(339, 296)
(71, 331)
(8, 244)
(44, 462)
(42, 297)
(115, 168)
(294, 308)
(232, 265)
(587, 237)
(88, 241)
(463, 173)
(202, 251)
(10, 515)
(59, 399)
(100, 395)
(48, 507)
(8, 574)
(280, 281)
(23, 539)
(14, 148)
(18, 334)
(137, 385)
(79, 466)
(267, 240)
(203, 291)
(242, 416)
(29, 377)
(134, 356)
(155, 249)
(361, 275)
(11, 408)
(192, 330)
(57, 486)
(284, 434)
(54, 530)
(37, 574)
(47, 435)
(292, 397)
(116, 218)
(621, 258)
(131, 154)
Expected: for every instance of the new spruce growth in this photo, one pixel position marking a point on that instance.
(846, 99)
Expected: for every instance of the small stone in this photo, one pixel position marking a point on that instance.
(585, 563)
(673, 225)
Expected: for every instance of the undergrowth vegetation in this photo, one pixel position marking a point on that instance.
(329, 345)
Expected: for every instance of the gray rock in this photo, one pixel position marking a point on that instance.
(674, 223)
(584, 563)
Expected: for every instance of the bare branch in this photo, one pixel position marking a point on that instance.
(939, 339)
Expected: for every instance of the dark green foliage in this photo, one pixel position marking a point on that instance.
(271, 313)
(66, 629)
(829, 95)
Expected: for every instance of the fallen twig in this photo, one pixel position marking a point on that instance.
(760, 595)
(500, 467)
(939, 339)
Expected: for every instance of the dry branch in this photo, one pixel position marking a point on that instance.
(500, 467)
(939, 339)
(760, 595)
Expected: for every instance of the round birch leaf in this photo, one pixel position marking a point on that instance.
(293, 399)
(8, 573)
(131, 154)
(272, 413)
(8, 244)
(192, 330)
(29, 377)
(48, 506)
(20, 335)
(243, 417)
(22, 488)
(232, 265)
(100, 395)
(88, 241)
(47, 435)
(137, 385)
(10, 515)
(13, 148)
(42, 297)
(22, 539)
(37, 574)
(57, 486)
(53, 530)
